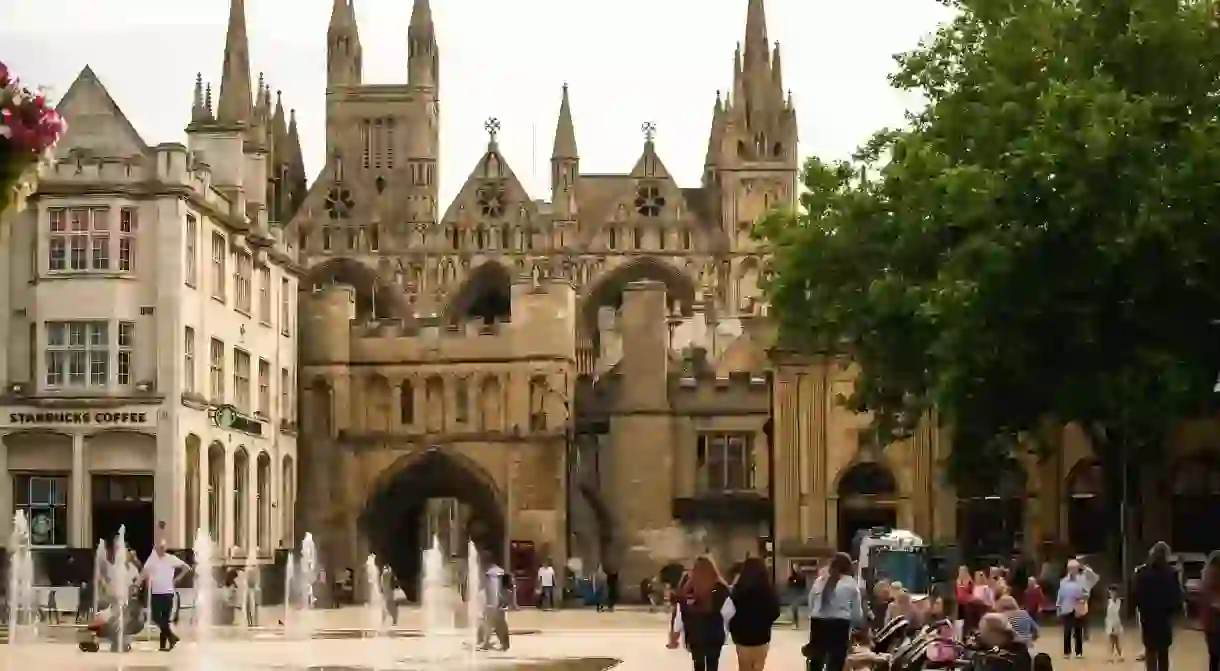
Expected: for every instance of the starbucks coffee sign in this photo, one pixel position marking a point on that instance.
(32, 418)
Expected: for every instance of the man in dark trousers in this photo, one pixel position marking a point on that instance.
(163, 571)
(1156, 593)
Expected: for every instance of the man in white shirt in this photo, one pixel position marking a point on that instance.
(546, 586)
(162, 571)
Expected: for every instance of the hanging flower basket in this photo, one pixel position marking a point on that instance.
(29, 129)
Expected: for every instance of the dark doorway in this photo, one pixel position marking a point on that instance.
(124, 501)
(393, 518)
(868, 497)
(853, 520)
(991, 514)
(1196, 497)
(1087, 520)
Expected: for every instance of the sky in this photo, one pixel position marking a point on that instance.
(627, 62)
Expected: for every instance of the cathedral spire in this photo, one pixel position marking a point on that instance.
(423, 61)
(344, 54)
(565, 131)
(757, 44)
(198, 111)
(235, 105)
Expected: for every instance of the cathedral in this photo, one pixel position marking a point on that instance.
(554, 379)
(591, 379)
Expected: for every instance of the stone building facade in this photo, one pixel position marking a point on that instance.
(146, 287)
(577, 371)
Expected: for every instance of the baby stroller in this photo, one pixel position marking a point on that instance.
(892, 635)
(106, 627)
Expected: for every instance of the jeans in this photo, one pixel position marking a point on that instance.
(828, 643)
(546, 598)
(1073, 631)
(706, 658)
(162, 606)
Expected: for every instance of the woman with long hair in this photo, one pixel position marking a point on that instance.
(756, 606)
(834, 608)
(673, 600)
(704, 609)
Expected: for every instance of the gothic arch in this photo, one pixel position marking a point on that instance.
(1086, 503)
(607, 289)
(867, 478)
(393, 513)
(374, 297)
(485, 294)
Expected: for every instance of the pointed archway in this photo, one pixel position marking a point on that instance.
(393, 516)
(607, 289)
(868, 498)
(485, 295)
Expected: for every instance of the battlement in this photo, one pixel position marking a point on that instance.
(708, 393)
(542, 328)
(170, 165)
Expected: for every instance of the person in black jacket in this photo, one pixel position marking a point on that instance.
(1156, 593)
(755, 609)
(704, 606)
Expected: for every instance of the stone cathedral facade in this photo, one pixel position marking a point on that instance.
(578, 372)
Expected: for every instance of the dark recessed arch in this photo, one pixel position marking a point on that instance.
(485, 294)
(607, 289)
(868, 478)
(375, 299)
(393, 513)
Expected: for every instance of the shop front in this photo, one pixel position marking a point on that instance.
(78, 474)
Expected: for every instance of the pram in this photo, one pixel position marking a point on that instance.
(105, 627)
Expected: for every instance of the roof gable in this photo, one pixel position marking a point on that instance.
(491, 191)
(95, 123)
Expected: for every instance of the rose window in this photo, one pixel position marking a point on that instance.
(649, 201)
(339, 203)
(491, 200)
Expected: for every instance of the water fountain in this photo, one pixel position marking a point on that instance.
(435, 604)
(120, 579)
(101, 567)
(22, 599)
(290, 570)
(306, 577)
(205, 597)
(474, 599)
(247, 587)
(375, 615)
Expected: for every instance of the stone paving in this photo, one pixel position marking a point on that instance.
(634, 636)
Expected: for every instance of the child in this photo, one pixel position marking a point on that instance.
(1033, 599)
(1114, 622)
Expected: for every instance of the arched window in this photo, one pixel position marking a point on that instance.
(241, 497)
(288, 491)
(1087, 521)
(434, 392)
(216, 490)
(489, 405)
(192, 492)
(263, 500)
(406, 403)
(461, 401)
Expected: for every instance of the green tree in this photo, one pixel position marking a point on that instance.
(1039, 245)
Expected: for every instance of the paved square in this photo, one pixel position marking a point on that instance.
(633, 636)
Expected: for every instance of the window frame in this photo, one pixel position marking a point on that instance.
(216, 368)
(64, 355)
(241, 379)
(724, 442)
(189, 381)
(219, 266)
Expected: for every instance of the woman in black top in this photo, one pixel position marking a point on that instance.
(755, 609)
(704, 607)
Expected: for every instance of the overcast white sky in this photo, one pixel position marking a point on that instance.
(627, 62)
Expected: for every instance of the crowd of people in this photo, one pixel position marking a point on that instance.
(985, 608)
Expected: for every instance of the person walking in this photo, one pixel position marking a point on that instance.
(797, 588)
(1072, 606)
(496, 601)
(834, 608)
(705, 607)
(1209, 610)
(756, 608)
(1114, 622)
(1156, 593)
(387, 587)
(546, 586)
(163, 571)
(598, 587)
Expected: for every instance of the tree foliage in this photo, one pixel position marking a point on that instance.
(1040, 244)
